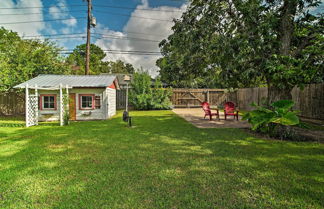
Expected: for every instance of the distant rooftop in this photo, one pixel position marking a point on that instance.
(120, 77)
(48, 81)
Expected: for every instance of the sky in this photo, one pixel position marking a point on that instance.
(135, 26)
(122, 25)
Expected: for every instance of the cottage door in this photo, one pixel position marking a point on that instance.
(72, 105)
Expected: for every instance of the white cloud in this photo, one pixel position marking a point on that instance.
(70, 22)
(49, 29)
(23, 15)
(147, 29)
(61, 11)
(55, 12)
(65, 30)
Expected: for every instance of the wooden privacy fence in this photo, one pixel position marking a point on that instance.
(245, 97)
(12, 103)
(309, 101)
(194, 97)
(121, 99)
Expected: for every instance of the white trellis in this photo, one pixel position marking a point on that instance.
(31, 108)
(32, 104)
(63, 101)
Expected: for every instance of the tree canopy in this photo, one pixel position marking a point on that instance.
(77, 59)
(120, 67)
(234, 43)
(22, 60)
(97, 63)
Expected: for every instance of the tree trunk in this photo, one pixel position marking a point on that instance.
(287, 26)
(286, 30)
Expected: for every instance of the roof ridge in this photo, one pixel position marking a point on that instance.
(71, 80)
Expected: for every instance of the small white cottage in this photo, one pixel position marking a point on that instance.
(90, 97)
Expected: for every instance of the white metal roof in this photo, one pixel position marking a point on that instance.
(52, 81)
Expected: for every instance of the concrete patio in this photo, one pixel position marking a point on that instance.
(196, 117)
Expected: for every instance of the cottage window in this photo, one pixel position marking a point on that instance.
(48, 102)
(86, 102)
(97, 102)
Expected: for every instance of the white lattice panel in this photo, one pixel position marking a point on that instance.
(32, 118)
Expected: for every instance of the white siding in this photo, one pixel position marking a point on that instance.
(111, 95)
(95, 114)
(50, 115)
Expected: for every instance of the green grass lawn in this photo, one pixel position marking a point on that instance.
(162, 162)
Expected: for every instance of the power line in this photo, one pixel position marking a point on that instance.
(114, 50)
(124, 37)
(126, 15)
(50, 20)
(96, 37)
(136, 32)
(83, 37)
(143, 33)
(59, 34)
(103, 34)
(136, 54)
(110, 51)
(60, 6)
(131, 51)
(55, 38)
(62, 12)
(143, 54)
(105, 6)
(135, 8)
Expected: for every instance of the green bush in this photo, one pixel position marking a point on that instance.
(275, 121)
(66, 115)
(144, 97)
(66, 119)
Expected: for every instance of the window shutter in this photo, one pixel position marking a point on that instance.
(97, 102)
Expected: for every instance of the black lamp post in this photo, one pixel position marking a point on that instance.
(126, 116)
(127, 80)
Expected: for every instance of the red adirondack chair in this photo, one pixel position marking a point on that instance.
(206, 108)
(229, 109)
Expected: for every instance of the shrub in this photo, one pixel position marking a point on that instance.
(144, 97)
(275, 121)
(66, 115)
(66, 119)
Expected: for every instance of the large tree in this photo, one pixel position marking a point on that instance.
(120, 67)
(97, 64)
(22, 60)
(77, 59)
(278, 43)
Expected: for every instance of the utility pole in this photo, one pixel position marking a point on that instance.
(87, 70)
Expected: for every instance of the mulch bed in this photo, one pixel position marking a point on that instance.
(302, 135)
